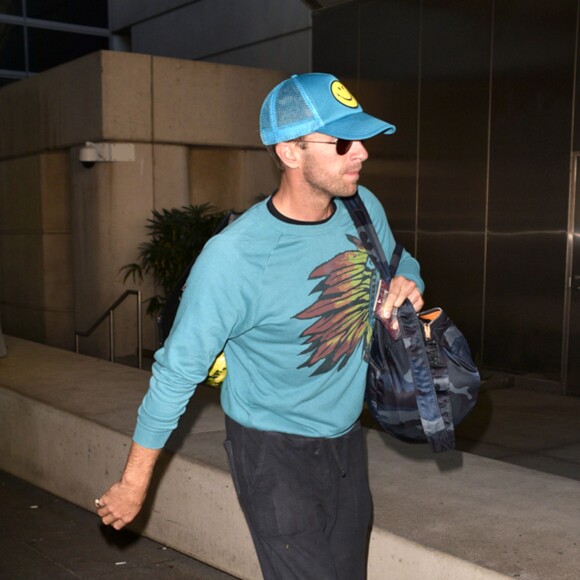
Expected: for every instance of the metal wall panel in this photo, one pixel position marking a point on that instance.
(389, 63)
(572, 359)
(478, 173)
(374, 48)
(533, 72)
(273, 34)
(454, 125)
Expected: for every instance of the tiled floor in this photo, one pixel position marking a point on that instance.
(528, 428)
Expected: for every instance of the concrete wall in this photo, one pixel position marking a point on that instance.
(66, 230)
(66, 424)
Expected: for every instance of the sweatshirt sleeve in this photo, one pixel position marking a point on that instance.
(408, 266)
(209, 310)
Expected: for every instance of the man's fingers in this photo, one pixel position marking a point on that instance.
(118, 525)
(400, 290)
(119, 505)
(416, 300)
(113, 520)
(116, 517)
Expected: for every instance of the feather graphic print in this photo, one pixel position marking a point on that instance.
(341, 310)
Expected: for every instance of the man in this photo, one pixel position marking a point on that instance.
(286, 292)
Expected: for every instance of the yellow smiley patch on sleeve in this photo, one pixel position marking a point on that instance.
(343, 95)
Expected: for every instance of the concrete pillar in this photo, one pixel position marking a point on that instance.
(55, 196)
(111, 205)
(20, 232)
(230, 178)
(170, 176)
(67, 230)
(2, 342)
(35, 234)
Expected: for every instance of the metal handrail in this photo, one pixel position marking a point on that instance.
(110, 314)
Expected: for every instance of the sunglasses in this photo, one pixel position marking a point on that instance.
(342, 145)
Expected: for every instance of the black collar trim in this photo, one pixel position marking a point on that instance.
(281, 217)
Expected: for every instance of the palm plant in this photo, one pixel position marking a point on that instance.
(177, 236)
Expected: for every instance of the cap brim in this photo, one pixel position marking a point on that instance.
(357, 127)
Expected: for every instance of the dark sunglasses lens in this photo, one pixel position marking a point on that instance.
(343, 146)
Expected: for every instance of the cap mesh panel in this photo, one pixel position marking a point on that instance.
(283, 111)
(291, 106)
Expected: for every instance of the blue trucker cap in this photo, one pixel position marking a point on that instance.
(316, 103)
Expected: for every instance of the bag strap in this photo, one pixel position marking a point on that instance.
(370, 240)
(437, 423)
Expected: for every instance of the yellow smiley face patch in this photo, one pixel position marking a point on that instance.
(342, 95)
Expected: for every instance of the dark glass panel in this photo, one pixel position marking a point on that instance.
(12, 47)
(84, 12)
(49, 48)
(12, 7)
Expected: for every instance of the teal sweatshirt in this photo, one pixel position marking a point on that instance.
(290, 305)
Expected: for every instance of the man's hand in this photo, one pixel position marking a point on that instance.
(121, 503)
(399, 290)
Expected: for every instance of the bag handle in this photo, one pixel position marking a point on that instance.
(437, 422)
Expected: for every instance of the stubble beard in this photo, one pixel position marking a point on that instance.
(324, 184)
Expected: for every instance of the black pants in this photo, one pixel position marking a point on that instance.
(306, 500)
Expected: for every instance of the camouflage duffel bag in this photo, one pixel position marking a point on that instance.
(422, 380)
(423, 383)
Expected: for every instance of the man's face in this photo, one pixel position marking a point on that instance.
(327, 172)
